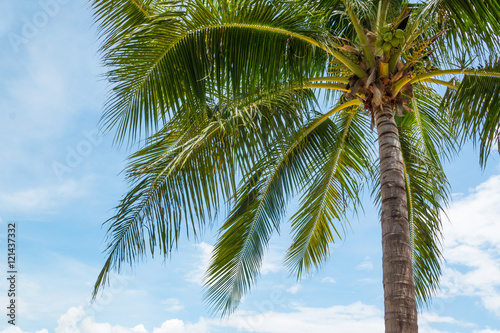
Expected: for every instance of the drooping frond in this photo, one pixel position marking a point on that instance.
(118, 18)
(472, 27)
(260, 204)
(190, 168)
(237, 255)
(426, 138)
(332, 192)
(476, 108)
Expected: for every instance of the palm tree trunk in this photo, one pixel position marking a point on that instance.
(399, 288)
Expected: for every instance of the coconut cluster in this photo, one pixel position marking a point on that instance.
(390, 38)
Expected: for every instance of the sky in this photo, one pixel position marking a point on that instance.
(60, 179)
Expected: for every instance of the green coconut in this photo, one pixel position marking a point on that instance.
(388, 36)
(399, 33)
(395, 42)
(386, 47)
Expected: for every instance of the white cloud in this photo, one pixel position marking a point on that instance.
(16, 329)
(76, 320)
(178, 326)
(271, 263)
(472, 246)
(365, 265)
(44, 197)
(173, 305)
(474, 218)
(354, 318)
(328, 279)
(294, 289)
(204, 254)
(88, 325)
(430, 317)
(68, 322)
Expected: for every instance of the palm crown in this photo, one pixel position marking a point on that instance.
(225, 94)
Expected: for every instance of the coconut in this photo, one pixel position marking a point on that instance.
(399, 33)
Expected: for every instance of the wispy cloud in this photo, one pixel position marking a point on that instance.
(173, 305)
(44, 198)
(204, 252)
(356, 317)
(294, 289)
(427, 318)
(328, 279)
(365, 265)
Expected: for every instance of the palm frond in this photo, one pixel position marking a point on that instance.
(117, 18)
(476, 108)
(334, 190)
(472, 27)
(237, 255)
(426, 138)
(260, 204)
(202, 52)
(186, 171)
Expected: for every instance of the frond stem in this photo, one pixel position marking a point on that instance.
(441, 82)
(361, 35)
(329, 79)
(382, 13)
(331, 86)
(141, 9)
(342, 58)
(410, 80)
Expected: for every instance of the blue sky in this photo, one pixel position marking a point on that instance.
(59, 181)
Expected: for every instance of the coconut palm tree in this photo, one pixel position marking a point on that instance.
(223, 97)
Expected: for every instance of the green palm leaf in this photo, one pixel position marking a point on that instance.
(260, 204)
(219, 90)
(177, 60)
(476, 109)
(426, 138)
(473, 26)
(333, 190)
(187, 170)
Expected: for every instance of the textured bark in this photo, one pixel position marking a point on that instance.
(399, 288)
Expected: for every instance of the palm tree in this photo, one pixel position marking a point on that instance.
(223, 97)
